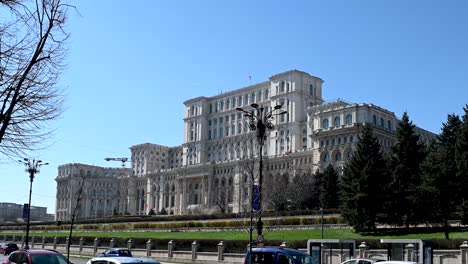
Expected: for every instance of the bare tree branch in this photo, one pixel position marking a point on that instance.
(31, 60)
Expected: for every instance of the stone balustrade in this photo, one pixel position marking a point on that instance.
(221, 256)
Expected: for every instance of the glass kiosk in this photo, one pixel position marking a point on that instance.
(321, 250)
(398, 249)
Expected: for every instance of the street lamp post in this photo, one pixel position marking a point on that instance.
(32, 167)
(260, 121)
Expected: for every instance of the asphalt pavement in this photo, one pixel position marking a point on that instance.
(73, 260)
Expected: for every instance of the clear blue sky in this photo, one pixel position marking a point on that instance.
(131, 65)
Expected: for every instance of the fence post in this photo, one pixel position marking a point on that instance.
(409, 252)
(112, 243)
(13, 239)
(22, 241)
(96, 244)
(4, 238)
(55, 242)
(464, 252)
(67, 242)
(32, 242)
(129, 244)
(43, 242)
(362, 250)
(194, 250)
(221, 251)
(170, 247)
(81, 244)
(149, 245)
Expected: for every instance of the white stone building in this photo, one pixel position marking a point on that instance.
(209, 171)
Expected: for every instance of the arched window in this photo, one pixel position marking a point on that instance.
(349, 119)
(338, 156)
(337, 121)
(382, 123)
(350, 155)
(374, 120)
(325, 124)
(389, 125)
(326, 158)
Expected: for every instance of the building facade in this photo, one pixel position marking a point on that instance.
(11, 212)
(212, 170)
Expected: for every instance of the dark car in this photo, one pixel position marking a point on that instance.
(116, 252)
(271, 255)
(36, 256)
(7, 248)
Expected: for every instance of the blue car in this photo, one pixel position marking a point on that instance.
(116, 252)
(272, 255)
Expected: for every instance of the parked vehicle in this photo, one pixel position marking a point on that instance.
(116, 252)
(272, 255)
(373, 261)
(36, 256)
(361, 261)
(121, 260)
(7, 248)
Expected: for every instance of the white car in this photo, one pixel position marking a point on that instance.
(121, 260)
(362, 261)
(373, 261)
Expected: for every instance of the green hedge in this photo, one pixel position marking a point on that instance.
(183, 224)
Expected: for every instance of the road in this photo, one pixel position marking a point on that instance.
(73, 260)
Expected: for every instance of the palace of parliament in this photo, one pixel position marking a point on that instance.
(214, 165)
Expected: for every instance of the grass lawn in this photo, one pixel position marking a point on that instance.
(283, 235)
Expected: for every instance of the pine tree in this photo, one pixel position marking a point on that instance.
(331, 187)
(406, 158)
(319, 190)
(461, 158)
(363, 183)
(441, 180)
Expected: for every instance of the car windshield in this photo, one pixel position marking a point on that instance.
(125, 253)
(48, 259)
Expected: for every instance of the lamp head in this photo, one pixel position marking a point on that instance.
(278, 107)
(254, 105)
(239, 109)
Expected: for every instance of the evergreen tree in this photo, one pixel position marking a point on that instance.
(363, 182)
(461, 158)
(319, 190)
(331, 187)
(406, 158)
(440, 180)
